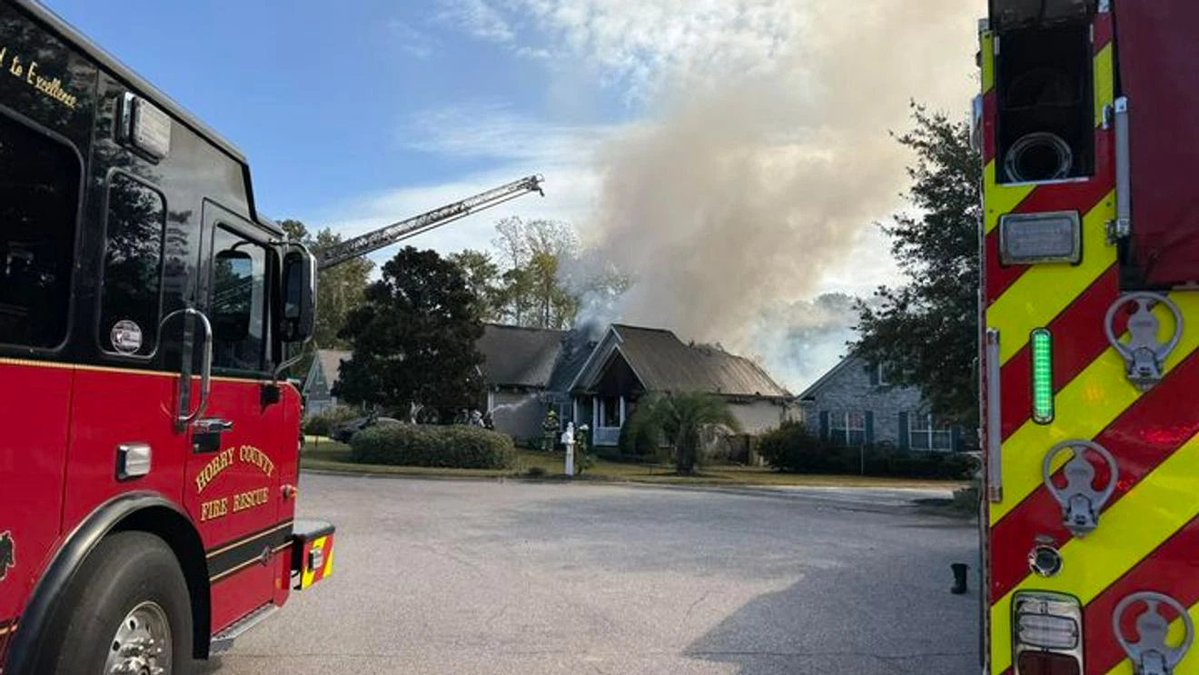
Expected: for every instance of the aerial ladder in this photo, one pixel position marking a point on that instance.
(370, 242)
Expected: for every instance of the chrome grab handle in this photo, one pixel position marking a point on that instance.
(994, 418)
(1150, 654)
(212, 425)
(183, 420)
(1122, 226)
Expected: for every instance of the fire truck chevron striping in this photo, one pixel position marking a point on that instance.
(1090, 345)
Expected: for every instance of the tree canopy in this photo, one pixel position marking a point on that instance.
(926, 331)
(339, 289)
(414, 339)
(680, 420)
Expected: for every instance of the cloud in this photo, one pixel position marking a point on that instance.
(411, 40)
(495, 131)
(642, 47)
(479, 18)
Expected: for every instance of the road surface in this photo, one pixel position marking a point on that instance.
(516, 577)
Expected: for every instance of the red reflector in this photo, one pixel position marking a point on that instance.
(1045, 663)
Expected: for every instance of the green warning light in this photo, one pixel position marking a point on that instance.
(1042, 376)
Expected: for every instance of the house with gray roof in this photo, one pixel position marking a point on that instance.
(528, 371)
(322, 377)
(854, 405)
(631, 362)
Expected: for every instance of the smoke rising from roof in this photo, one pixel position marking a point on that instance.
(753, 192)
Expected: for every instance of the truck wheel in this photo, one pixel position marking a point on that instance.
(127, 611)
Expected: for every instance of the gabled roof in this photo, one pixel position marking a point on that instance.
(519, 357)
(330, 361)
(663, 363)
(844, 363)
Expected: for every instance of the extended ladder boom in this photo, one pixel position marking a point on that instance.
(373, 241)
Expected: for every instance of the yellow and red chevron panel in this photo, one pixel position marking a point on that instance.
(316, 560)
(1148, 534)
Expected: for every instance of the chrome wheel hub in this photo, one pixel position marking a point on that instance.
(142, 643)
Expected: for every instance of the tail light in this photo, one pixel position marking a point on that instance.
(1045, 663)
(1047, 634)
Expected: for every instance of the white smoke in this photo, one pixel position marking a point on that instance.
(753, 186)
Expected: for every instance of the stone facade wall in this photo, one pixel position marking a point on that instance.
(850, 389)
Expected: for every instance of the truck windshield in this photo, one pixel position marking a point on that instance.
(39, 201)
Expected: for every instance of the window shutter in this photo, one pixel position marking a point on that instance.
(874, 381)
(869, 428)
(905, 441)
(824, 425)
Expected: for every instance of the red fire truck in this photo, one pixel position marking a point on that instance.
(148, 445)
(1089, 130)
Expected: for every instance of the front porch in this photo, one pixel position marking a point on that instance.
(606, 415)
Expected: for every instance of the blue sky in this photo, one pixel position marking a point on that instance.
(732, 155)
(324, 100)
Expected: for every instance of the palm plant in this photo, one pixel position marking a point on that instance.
(679, 420)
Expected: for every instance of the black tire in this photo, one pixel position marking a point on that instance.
(125, 570)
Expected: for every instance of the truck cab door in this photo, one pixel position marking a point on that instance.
(238, 440)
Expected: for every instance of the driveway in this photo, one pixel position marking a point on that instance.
(487, 577)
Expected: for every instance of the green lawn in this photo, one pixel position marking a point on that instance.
(324, 454)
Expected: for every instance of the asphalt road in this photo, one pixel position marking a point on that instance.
(484, 577)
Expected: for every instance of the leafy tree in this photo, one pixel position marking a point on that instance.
(926, 332)
(681, 419)
(482, 277)
(544, 281)
(339, 289)
(414, 340)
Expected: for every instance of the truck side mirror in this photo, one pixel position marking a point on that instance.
(297, 321)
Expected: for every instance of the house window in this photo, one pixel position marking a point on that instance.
(848, 428)
(927, 434)
(881, 376)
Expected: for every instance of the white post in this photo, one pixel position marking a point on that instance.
(574, 409)
(568, 439)
(623, 410)
(595, 412)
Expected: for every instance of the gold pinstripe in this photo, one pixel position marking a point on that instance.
(29, 363)
(1131, 529)
(239, 542)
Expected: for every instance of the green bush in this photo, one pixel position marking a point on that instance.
(793, 449)
(455, 447)
(323, 423)
(639, 442)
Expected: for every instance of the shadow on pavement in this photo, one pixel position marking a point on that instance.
(813, 628)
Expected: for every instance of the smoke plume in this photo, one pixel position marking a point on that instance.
(751, 192)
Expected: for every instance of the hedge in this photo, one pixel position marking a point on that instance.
(323, 423)
(451, 447)
(792, 449)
